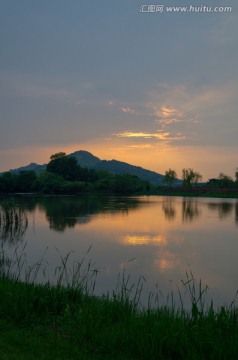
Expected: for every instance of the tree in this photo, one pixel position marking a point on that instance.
(190, 177)
(170, 176)
(225, 181)
(65, 166)
(126, 184)
(236, 175)
(8, 182)
(26, 180)
(58, 155)
(49, 183)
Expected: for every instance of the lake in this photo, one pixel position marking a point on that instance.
(158, 237)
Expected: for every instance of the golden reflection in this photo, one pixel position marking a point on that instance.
(144, 240)
(167, 260)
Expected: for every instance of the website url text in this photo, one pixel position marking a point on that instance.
(184, 9)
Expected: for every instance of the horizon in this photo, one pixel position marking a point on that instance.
(179, 175)
(127, 81)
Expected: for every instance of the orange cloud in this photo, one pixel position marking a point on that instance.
(158, 135)
(139, 146)
(167, 115)
(166, 111)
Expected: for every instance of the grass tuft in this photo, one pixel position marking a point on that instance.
(66, 320)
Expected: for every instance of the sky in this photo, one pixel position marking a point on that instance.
(127, 80)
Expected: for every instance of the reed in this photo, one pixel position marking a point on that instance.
(13, 221)
(80, 324)
(64, 319)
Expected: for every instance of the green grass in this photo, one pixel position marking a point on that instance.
(56, 322)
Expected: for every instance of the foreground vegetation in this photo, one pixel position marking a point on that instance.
(67, 321)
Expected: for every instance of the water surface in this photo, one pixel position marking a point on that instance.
(157, 237)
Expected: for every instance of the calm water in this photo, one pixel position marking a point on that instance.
(158, 237)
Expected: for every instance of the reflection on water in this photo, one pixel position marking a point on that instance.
(144, 240)
(164, 236)
(63, 213)
(13, 221)
(166, 260)
(223, 208)
(168, 207)
(190, 210)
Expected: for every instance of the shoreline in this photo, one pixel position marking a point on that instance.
(160, 191)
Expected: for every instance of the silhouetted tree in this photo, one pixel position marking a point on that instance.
(25, 181)
(170, 177)
(190, 177)
(58, 155)
(236, 176)
(64, 166)
(126, 184)
(8, 182)
(49, 183)
(225, 181)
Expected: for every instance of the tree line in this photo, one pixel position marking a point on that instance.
(63, 175)
(191, 177)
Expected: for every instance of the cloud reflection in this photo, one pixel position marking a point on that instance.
(166, 260)
(144, 240)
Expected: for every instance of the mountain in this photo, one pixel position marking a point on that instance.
(88, 160)
(31, 166)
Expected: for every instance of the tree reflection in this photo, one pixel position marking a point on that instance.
(236, 212)
(223, 208)
(169, 209)
(66, 212)
(190, 210)
(13, 221)
(61, 212)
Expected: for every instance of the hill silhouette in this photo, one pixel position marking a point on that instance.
(87, 160)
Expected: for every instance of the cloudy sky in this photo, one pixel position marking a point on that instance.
(126, 80)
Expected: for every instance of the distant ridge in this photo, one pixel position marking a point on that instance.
(88, 160)
(31, 166)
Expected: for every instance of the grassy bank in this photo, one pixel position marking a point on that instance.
(56, 322)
